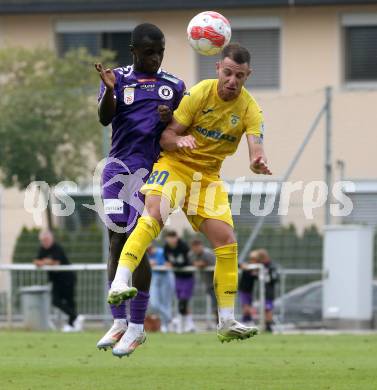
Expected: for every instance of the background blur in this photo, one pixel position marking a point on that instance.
(298, 49)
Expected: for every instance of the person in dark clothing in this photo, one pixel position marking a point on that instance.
(176, 252)
(63, 282)
(246, 286)
(272, 277)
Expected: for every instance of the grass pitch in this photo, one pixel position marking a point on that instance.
(36, 361)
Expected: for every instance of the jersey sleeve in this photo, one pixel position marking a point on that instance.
(254, 120)
(189, 105)
(181, 89)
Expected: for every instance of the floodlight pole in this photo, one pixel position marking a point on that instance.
(328, 154)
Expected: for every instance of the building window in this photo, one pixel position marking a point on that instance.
(94, 42)
(360, 53)
(264, 46)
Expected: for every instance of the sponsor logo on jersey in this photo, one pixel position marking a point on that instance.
(128, 95)
(165, 92)
(215, 134)
(234, 120)
(148, 87)
(113, 206)
(170, 78)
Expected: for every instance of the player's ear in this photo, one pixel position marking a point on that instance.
(249, 72)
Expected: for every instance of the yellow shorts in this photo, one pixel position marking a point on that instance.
(201, 196)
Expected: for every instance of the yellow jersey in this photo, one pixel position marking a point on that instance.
(217, 125)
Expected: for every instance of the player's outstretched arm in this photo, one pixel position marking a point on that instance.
(107, 105)
(172, 137)
(258, 160)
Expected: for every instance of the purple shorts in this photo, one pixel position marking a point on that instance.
(184, 287)
(247, 299)
(123, 203)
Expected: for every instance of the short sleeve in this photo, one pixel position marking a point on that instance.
(60, 255)
(181, 90)
(254, 120)
(189, 105)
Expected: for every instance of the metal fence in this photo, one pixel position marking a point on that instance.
(91, 291)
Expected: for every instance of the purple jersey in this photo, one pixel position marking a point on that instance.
(135, 139)
(136, 125)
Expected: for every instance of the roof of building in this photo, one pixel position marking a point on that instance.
(46, 6)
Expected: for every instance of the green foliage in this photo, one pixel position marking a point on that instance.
(49, 128)
(83, 246)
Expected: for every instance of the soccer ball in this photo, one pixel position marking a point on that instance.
(208, 32)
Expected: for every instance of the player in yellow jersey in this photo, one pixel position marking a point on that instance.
(206, 128)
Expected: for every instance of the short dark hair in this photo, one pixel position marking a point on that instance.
(237, 53)
(171, 233)
(145, 30)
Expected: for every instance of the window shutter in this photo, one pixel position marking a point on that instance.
(70, 41)
(264, 46)
(361, 53)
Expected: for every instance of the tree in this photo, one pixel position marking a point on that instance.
(49, 129)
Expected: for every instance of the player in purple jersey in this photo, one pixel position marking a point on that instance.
(138, 101)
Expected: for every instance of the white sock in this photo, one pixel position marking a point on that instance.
(226, 313)
(120, 321)
(123, 275)
(136, 327)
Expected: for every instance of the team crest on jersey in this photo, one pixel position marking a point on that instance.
(234, 120)
(128, 95)
(165, 92)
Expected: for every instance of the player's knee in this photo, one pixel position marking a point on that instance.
(182, 306)
(154, 206)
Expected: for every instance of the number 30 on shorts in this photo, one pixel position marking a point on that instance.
(158, 177)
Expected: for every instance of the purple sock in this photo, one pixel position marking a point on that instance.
(118, 312)
(139, 307)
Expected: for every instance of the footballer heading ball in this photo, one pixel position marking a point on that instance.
(208, 32)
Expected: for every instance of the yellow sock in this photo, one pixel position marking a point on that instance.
(226, 275)
(147, 229)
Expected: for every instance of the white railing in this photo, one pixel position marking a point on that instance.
(92, 281)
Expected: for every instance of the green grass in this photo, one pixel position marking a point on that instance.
(55, 361)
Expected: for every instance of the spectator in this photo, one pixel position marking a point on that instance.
(176, 252)
(202, 257)
(161, 287)
(272, 278)
(246, 286)
(63, 282)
